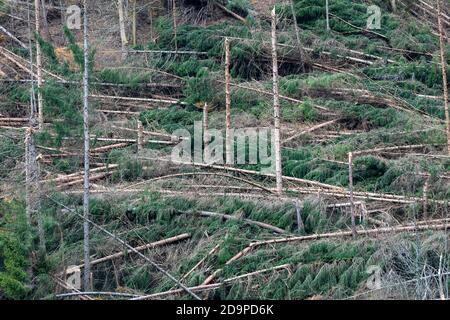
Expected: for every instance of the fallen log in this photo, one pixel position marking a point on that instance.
(152, 245)
(233, 14)
(200, 174)
(214, 286)
(248, 221)
(213, 250)
(287, 178)
(79, 175)
(104, 149)
(319, 126)
(9, 34)
(338, 234)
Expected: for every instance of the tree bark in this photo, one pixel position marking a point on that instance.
(86, 249)
(229, 150)
(444, 73)
(205, 130)
(350, 186)
(46, 31)
(37, 6)
(174, 19)
(123, 33)
(134, 23)
(276, 106)
(297, 34)
(140, 134)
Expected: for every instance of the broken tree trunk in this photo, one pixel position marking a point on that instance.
(444, 73)
(86, 249)
(319, 126)
(339, 234)
(425, 198)
(174, 21)
(134, 23)
(393, 5)
(327, 13)
(205, 128)
(37, 6)
(276, 106)
(123, 33)
(248, 221)
(233, 14)
(152, 245)
(350, 186)
(140, 136)
(229, 154)
(297, 34)
(215, 285)
(298, 209)
(9, 34)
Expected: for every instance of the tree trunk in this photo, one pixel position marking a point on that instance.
(134, 23)
(276, 106)
(205, 129)
(425, 198)
(298, 209)
(444, 73)
(140, 139)
(393, 5)
(37, 6)
(174, 18)
(229, 154)
(123, 33)
(327, 8)
(297, 34)
(87, 271)
(350, 186)
(32, 170)
(46, 31)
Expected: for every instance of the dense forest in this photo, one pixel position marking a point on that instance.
(224, 149)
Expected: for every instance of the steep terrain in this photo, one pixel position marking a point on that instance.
(223, 230)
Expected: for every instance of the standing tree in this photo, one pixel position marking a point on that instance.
(393, 5)
(174, 19)
(229, 154)
(32, 170)
(350, 186)
(444, 72)
(297, 34)
(123, 32)
(37, 6)
(87, 267)
(327, 9)
(276, 105)
(134, 22)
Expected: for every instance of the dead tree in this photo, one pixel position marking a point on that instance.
(46, 30)
(134, 23)
(123, 33)
(350, 186)
(32, 170)
(393, 5)
(444, 72)
(425, 197)
(276, 106)
(174, 21)
(229, 156)
(205, 128)
(140, 136)
(87, 267)
(37, 6)
(297, 34)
